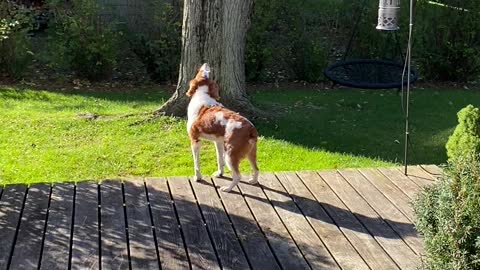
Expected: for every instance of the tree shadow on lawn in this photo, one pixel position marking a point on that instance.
(366, 123)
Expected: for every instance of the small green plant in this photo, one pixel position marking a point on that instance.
(466, 137)
(15, 54)
(80, 43)
(448, 215)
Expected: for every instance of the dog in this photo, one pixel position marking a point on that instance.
(235, 137)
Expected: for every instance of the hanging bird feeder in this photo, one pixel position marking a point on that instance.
(388, 15)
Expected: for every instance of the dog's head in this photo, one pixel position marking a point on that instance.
(203, 79)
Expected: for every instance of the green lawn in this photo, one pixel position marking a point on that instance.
(43, 139)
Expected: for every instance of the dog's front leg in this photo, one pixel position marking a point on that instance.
(196, 159)
(220, 160)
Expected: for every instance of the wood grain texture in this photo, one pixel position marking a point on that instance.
(112, 229)
(388, 211)
(284, 247)
(338, 245)
(28, 246)
(307, 240)
(403, 183)
(169, 238)
(388, 239)
(57, 236)
(11, 205)
(389, 190)
(143, 253)
(253, 240)
(433, 170)
(365, 244)
(224, 238)
(85, 247)
(420, 177)
(200, 248)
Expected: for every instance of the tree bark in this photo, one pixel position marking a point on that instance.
(214, 32)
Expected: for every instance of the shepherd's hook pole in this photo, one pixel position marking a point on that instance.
(409, 57)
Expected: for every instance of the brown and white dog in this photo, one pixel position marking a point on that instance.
(234, 136)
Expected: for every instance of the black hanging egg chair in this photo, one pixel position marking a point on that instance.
(372, 73)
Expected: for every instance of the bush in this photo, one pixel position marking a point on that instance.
(447, 46)
(448, 215)
(160, 49)
(466, 137)
(287, 40)
(80, 43)
(15, 54)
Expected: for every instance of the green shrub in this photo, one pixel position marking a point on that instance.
(287, 40)
(80, 43)
(448, 215)
(466, 137)
(160, 49)
(447, 46)
(15, 54)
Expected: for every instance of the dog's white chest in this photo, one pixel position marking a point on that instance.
(200, 99)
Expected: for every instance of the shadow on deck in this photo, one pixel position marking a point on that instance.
(345, 219)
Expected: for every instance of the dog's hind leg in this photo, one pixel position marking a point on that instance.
(219, 147)
(234, 165)
(252, 158)
(196, 160)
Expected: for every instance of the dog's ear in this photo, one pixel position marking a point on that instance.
(214, 90)
(193, 87)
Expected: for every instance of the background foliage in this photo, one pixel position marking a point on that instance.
(15, 23)
(289, 40)
(79, 42)
(448, 215)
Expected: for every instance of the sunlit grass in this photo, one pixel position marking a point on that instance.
(43, 137)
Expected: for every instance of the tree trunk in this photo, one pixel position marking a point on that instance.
(214, 32)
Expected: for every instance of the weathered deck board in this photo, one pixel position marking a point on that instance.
(396, 196)
(344, 253)
(112, 228)
(254, 243)
(419, 176)
(169, 238)
(278, 236)
(28, 246)
(307, 240)
(57, 236)
(143, 253)
(403, 183)
(85, 246)
(226, 243)
(200, 250)
(345, 219)
(433, 170)
(356, 233)
(388, 211)
(11, 206)
(390, 241)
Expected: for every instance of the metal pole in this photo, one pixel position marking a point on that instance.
(409, 57)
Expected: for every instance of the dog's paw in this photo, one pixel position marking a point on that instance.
(252, 181)
(197, 178)
(226, 189)
(217, 174)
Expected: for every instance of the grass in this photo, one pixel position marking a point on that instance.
(43, 139)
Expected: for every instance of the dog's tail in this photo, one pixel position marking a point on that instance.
(253, 136)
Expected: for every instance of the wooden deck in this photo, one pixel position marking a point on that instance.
(346, 219)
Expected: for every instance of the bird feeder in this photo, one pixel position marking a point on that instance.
(388, 15)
